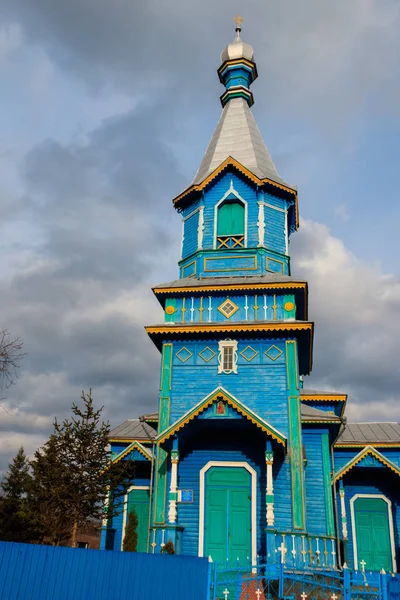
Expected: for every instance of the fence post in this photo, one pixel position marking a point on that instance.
(384, 584)
(281, 589)
(346, 583)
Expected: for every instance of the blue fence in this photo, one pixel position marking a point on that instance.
(29, 572)
(262, 581)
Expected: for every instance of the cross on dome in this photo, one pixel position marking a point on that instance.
(238, 20)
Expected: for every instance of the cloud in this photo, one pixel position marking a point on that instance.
(355, 307)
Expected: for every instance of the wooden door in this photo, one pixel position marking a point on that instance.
(373, 534)
(227, 514)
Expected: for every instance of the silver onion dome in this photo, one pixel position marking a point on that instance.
(237, 49)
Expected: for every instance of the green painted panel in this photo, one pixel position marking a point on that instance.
(289, 314)
(373, 533)
(227, 534)
(295, 440)
(139, 500)
(231, 219)
(170, 304)
(326, 466)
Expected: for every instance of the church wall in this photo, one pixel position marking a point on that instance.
(329, 407)
(365, 480)
(190, 234)
(314, 483)
(251, 307)
(342, 456)
(261, 389)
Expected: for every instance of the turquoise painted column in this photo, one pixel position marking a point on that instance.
(295, 436)
(161, 459)
(326, 467)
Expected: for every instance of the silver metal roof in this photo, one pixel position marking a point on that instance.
(237, 49)
(134, 429)
(310, 413)
(305, 392)
(365, 433)
(206, 281)
(238, 136)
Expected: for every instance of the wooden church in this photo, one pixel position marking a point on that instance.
(241, 461)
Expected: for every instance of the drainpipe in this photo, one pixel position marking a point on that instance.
(338, 530)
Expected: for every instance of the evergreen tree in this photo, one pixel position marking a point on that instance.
(75, 481)
(15, 524)
(131, 535)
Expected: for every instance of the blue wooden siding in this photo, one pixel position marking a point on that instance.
(194, 379)
(31, 572)
(251, 307)
(238, 261)
(190, 238)
(314, 483)
(372, 481)
(334, 408)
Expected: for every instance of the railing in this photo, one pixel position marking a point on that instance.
(247, 581)
(230, 241)
(302, 550)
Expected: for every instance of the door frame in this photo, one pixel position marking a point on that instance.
(253, 473)
(353, 526)
(125, 515)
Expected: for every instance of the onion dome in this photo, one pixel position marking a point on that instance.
(237, 49)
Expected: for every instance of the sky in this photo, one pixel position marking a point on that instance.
(106, 111)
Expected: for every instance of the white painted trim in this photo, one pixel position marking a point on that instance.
(222, 344)
(284, 210)
(261, 224)
(391, 529)
(230, 191)
(124, 518)
(200, 228)
(245, 465)
(192, 213)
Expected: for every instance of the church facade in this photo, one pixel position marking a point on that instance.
(242, 461)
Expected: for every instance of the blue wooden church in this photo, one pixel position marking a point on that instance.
(241, 461)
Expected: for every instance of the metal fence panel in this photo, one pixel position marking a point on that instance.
(31, 572)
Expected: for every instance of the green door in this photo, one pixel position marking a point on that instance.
(373, 534)
(139, 500)
(227, 524)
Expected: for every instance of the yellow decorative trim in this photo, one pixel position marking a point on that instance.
(371, 444)
(133, 446)
(213, 354)
(280, 262)
(222, 308)
(170, 310)
(368, 450)
(288, 306)
(323, 397)
(271, 357)
(225, 257)
(201, 309)
(187, 266)
(242, 353)
(230, 161)
(227, 287)
(189, 355)
(247, 326)
(173, 429)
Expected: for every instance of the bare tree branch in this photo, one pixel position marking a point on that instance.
(11, 353)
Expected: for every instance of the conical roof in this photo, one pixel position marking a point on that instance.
(238, 136)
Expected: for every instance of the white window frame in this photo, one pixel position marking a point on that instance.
(230, 191)
(221, 349)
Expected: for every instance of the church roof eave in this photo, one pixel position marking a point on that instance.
(216, 394)
(369, 450)
(198, 186)
(302, 330)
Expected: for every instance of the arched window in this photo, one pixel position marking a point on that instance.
(230, 225)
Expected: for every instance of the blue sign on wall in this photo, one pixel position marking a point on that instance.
(186, 496)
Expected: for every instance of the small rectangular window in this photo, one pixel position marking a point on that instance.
(227, 359)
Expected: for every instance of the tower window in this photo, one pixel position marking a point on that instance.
(230, 225)
(227, 358)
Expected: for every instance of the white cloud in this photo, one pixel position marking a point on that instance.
(10, 40)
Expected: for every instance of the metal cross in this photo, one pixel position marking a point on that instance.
(238, 20)
(226, 593)
(303, 596)
(363, 563)
(333, 597)
(258, 593)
